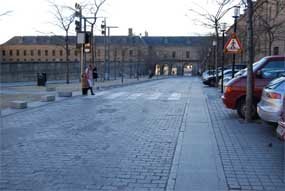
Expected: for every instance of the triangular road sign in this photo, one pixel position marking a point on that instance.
(233, 46)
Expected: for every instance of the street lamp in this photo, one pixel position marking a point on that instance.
(215, 60)
(108, 53)
(223, 29)
(235, 16)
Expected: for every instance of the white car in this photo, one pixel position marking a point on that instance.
(270, 107)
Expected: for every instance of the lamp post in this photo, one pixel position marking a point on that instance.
(223, 29)
(108, 52)
(236, 16)
(215, 60)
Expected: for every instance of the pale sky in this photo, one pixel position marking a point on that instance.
(157, 17)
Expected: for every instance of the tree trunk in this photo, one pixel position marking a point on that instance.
(250, 60)
(217, 53)
(92, 47)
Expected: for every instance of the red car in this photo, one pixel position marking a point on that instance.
(264, 71)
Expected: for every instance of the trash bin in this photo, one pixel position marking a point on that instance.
(41, 79)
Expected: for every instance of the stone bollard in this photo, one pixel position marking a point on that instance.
(65, 94)
(47, 98)
(18, 104)
(50, 89)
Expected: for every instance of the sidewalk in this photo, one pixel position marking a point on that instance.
(199, 165)
(28, 91)
(218, 151)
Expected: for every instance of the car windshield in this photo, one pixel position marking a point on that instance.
(255, 66)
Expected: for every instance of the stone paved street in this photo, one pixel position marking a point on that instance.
(159, 135)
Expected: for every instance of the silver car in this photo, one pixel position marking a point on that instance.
(270, 107)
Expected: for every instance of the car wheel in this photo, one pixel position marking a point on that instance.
(241, 109)
(212, 83)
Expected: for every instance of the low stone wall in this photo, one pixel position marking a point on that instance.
(27, 72)
(23, 71)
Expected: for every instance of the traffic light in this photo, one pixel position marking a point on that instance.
(103, 27)
(87, 37)
(77, 26)
(87, 44)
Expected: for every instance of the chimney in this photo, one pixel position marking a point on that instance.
(130, 32)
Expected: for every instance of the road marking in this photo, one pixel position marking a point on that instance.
(116, 95)
(154, 96)
(175, 96)
(134, 96)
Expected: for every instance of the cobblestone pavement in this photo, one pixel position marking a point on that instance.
(120, 139)
(126, 139)
(249, 161)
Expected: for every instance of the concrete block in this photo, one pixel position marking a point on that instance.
(64, 94)
(47, 98)
(50, 89)
(18, 104)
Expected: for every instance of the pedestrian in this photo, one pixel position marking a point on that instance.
(95, 74)
(84, 84)
(89, 74)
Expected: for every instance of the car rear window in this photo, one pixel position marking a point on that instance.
(276, 83)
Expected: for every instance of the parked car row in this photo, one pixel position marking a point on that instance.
(264, 71)
(209, 76)
(268, 92)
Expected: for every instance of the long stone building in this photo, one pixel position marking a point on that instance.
(22, 57)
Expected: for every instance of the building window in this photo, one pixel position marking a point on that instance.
(276, 50)
(53, 52)
(173, 54)
(187, 54)
(98, 53)
(11, 52)
(131, 52)
(60, 53)
(3, 53)
(18, 52)
(75, 53)
(25, 53)
(46, 52)
(39, 52)
(32, 53)
(39, 59)
(32, 59)
(25, 59)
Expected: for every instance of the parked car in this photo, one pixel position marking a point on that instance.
(227, 76)
(270, 107)
(281, 123)
(264, 71)
(237, 66)
(207, 75)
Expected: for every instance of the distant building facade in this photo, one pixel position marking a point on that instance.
(136, 54)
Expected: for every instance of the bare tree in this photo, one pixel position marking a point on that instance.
(5, 13)
(94, 9)
(270, 21)
(64, 17)
(212, 21)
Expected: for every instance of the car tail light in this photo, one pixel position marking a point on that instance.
(228, 89)
(273, 95)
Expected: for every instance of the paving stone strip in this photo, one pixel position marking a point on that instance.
(249, 163)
